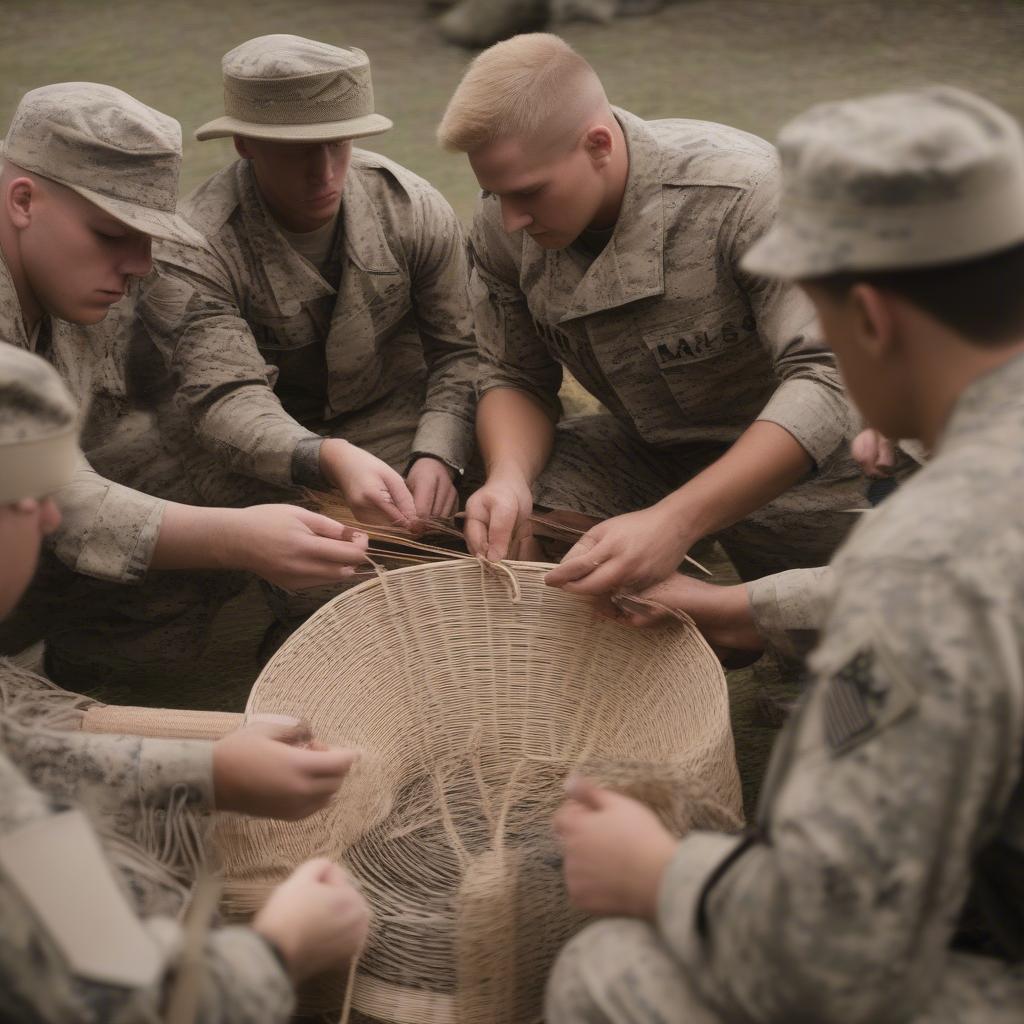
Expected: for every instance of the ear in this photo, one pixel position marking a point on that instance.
(242, 147)
(875, 320)
(18, 199)
(598, 142)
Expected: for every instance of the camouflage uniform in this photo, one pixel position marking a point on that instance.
(272, 357)
(881, 879)
(682, 346)
(109, 529)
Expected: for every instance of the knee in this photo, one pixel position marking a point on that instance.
(596, 968)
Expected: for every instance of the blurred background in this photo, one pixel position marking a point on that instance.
(748, 63)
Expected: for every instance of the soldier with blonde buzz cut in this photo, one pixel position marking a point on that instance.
(612, 247)
(89, 178)
(882, 879)
(99, 834)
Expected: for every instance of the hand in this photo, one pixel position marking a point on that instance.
(722, 614)
(497, 516)
(293, 547)
(615, 851)
(316, 918)
(430, 481)
(874, 453)
(262, 770)
(633, 551)
(373, 490)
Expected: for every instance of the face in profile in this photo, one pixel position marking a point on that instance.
(77, 259)
(551, 193)
(301, 183)
(23, 526)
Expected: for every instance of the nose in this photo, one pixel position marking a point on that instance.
(513, 219)
(49, 517)
(138, 258)
(320, 165)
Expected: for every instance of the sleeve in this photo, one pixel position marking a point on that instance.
(512, 354)
(841, 904)
(47, 975)
(192, 313)
(810, 401)
(441, 305)
(790, 608)
(107, 530)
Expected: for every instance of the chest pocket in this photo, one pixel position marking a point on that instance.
(692, 340)
(276, 333)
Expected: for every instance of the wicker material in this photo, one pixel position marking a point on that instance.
(473, 691)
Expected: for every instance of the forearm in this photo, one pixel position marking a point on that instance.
(514, 433)
(193, 537)
(764, 462)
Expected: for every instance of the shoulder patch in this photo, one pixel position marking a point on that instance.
(862, 698)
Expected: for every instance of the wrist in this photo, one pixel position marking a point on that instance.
(661, 854)
(508, 473)
(333, 453)
(682, 518)
(278, 940)
(227, 532)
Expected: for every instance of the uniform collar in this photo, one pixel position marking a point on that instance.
(995, 397)
(12, 323)
(631, 266)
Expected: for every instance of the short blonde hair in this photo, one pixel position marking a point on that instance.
(528, 85)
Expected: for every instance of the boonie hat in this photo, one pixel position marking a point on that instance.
(121, 155)
(38, 427)
(902, 180)
(285, 88)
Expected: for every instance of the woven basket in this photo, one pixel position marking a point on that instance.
(472, 692)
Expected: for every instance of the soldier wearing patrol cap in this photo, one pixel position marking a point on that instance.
(882, 878)
(611, 247)
(93, 875)
(323, 335)
(89, 176)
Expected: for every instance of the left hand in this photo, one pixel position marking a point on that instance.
(430, 481)
(615, 851)
(633, 551)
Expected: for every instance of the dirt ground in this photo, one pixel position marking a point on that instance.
(750, 63)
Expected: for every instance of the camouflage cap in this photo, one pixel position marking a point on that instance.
(289, 89)
(38, 427)
(109, 148)
(895, 181)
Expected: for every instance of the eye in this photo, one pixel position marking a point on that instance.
(108, 236)
(486, 193)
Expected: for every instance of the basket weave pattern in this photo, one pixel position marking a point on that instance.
(471, 705)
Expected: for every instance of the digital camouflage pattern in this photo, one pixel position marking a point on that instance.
(890, 831)
(130, 788)
(683, 348)
(272, 356)
(789, 608)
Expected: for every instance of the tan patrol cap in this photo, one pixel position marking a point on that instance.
(109, 148)
(895, 181)
(288, 89)
(38, 427)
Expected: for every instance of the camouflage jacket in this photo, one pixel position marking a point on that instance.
(108, 531)
(897, 787)
(790, 608)
(663, 326)
(235, 320)
(127, 787)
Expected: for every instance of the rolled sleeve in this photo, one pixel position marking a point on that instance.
(790, 608)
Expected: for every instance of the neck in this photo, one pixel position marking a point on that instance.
(31, 311)
(618, 174)
(940, 382)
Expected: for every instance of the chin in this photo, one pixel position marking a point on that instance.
(85, 316)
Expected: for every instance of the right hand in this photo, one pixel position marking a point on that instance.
(316, 918)
(496, 516)
(270, 769)
(293, 547)
(874, 453)
(373, 490)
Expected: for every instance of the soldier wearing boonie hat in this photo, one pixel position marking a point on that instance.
(92, 876)
(324, 336)
(89, 176)
(881, 879)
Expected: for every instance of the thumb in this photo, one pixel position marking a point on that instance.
(318, 869)
(283, 728)
(586, 792)
(330, 761)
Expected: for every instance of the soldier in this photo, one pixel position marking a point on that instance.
(90, 905)
(323, 335)
(611, 246)
(881, 880)
(89, 176)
